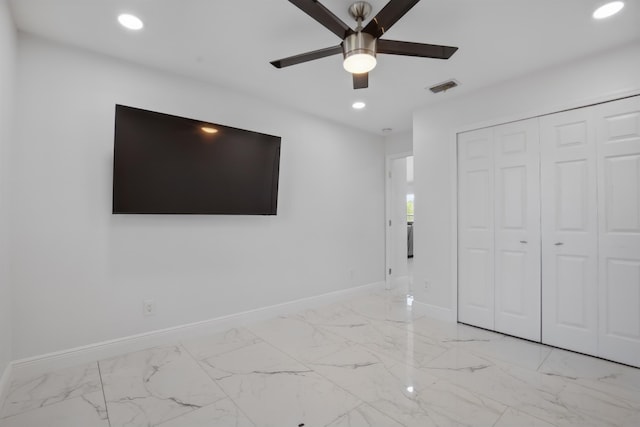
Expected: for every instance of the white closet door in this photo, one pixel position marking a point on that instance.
(618, 145)
(475, 228)
(517, 229)
(569, 231)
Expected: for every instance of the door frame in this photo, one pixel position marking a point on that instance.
(387, 216)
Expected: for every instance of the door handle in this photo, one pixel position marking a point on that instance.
(523, 241)
(558, 244)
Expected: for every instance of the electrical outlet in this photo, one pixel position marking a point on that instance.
(149, 307)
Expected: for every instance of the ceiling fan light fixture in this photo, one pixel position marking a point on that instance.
(359, 53)
(359, 63)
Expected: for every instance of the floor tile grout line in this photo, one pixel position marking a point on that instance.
(544, 360)
(359, 400)
(376, 353)
(506, 408)
(198, 362)
(104, 395)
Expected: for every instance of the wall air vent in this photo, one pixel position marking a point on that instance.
(444, 86)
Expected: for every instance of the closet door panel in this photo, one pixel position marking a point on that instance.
(517, 229)
(618, 144)
(569, 231)
(475, 228)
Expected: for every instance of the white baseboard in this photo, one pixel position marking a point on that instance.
(102, 350)
(5, 382)
(434, 312)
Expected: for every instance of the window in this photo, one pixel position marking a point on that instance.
(410, 198)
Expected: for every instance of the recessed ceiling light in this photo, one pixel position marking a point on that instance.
(359, 105)
(608, 9)
(130, 21)
(208, 129)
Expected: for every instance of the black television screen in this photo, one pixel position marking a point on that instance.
(166, 164)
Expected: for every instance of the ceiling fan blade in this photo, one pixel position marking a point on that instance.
(361, 81)
(389, 15)
(324, 16)
(305, 57)
(422, 50)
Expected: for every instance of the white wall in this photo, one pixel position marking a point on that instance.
(81, 273)
(7, 66)
(593, 79)
(399, 143)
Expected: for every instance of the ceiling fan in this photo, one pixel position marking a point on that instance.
(361, 45)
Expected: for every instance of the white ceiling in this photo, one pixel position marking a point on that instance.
(231, 42)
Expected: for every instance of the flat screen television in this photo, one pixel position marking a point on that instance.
(165, 164)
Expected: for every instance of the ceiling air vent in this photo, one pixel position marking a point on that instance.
(444, 86)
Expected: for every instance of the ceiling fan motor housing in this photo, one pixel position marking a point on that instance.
(359, 43)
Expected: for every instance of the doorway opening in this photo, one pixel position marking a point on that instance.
(400, 222)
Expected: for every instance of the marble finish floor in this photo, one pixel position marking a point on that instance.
(369, 361)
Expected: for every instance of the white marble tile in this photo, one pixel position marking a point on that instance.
(453, 334)
(514, 418)
(400, 344)
(273, 389)
(457, 365)
(364, 416)
(256, 358)
(299, 338)
(278, 391)
(486, 344)
(212, 345)
(581, 406)
(614, 378)
(515, 351)
(500, 381)
(554, 399)
(155, 385)
(365, 362)
(83, 411)
(335, 315)
(223, 413)
(372, 376)
(391, 387)
(34, 392)
(406, 394)
(388, 308)
(447, 404)
(288, 397)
